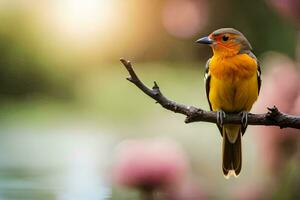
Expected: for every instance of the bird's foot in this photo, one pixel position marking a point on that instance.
(244, 120)
(220, 117)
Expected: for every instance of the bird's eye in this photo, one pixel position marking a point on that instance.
(225, 38)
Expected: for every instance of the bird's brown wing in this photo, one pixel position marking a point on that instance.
(207, 78)
(258, 70)
(258, 76)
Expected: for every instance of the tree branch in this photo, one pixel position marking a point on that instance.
(272, 118)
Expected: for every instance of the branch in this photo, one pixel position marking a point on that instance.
(272, 118)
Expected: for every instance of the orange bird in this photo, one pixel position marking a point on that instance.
(232, 79)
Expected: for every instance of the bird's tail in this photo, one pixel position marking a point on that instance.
(232, 150)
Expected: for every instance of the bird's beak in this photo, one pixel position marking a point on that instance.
(205, 40)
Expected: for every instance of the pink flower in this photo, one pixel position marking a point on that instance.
(150, 165)
(288, 8)
(280, 87)
(183, 18)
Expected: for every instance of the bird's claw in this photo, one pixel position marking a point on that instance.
(220, 117)
(244, 119)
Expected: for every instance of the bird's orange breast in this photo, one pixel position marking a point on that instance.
(240, 66)
(233, 85)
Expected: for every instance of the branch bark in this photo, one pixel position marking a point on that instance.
(272, 118)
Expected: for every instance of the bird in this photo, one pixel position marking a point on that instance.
(232, 81)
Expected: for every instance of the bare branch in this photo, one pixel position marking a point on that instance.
(272, 118)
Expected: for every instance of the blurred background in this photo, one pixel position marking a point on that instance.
(66, 106)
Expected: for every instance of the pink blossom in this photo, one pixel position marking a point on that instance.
(281, 88)
(288, 8)
(149, 164)
(183, 18)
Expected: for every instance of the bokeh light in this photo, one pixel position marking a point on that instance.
(84, 19)
(288, 8)
(184, 19)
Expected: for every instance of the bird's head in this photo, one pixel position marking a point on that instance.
(226, 42)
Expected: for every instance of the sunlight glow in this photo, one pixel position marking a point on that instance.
(84, 18)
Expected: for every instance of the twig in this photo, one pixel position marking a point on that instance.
(272, 118)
